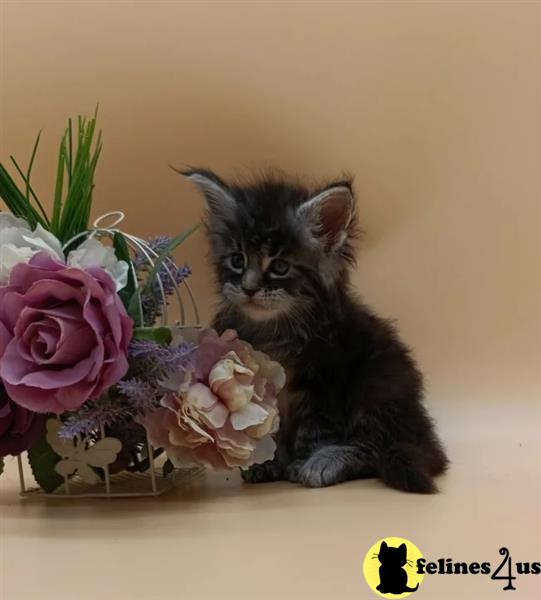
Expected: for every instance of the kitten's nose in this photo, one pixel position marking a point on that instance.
(249, 291)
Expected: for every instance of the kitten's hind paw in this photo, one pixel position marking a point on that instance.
(265, 472)
(401, 469)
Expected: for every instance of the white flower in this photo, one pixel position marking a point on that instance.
(92, 253)
(18, 243)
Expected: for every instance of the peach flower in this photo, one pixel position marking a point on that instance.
(223, 412)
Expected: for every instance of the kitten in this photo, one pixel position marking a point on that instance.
(352, 406)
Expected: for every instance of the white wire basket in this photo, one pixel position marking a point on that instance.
(151, 482)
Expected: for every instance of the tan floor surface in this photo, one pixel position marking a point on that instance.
(220, 538)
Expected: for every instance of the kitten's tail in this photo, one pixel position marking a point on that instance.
(412, 589)
(402, 466)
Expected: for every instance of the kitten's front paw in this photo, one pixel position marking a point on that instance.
(321, 471)
(293, 471)
(268, 471)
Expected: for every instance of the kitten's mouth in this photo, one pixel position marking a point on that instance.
(256, 310)
(252, 304)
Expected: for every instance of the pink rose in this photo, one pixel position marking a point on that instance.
(64, 335)
(222, 414)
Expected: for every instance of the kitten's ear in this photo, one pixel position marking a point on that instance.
(328, 214)
(383, 546)
(218, 197)
(403, 548)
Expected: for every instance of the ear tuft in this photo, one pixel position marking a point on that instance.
(328, 214)
(219, 198)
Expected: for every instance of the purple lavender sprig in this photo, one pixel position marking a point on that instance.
(158, 244)
(136, 396)
(141, 395)
(168, 273)
(170, 276)
(78, 426)
(164, 283)
(159, 361)
(92, 417)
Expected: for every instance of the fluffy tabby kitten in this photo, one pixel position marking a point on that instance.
(352, 406)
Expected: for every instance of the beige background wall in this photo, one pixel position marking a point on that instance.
(435, 107)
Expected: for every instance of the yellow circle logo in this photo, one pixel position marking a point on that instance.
(390, 568)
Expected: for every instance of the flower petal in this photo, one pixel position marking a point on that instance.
(267, 427)
(252, 414)
(92, 253)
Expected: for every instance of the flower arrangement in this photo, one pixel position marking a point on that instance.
(94, 379)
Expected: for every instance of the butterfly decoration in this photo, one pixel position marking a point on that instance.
(78, 456)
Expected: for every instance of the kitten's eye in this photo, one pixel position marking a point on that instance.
(237, 261)
(279, 267)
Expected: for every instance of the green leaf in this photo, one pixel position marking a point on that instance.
(59, 186)
(160, 335)
(16, 201)
(168, 468)
(71, 212)
(80, 163)
(134, 308)
(69, 151)
(43, 459)
(174, 243)
(122, 253)
(2, 466)
(121, 247)
(26, 178)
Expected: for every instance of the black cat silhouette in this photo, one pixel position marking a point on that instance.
(393, 579)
